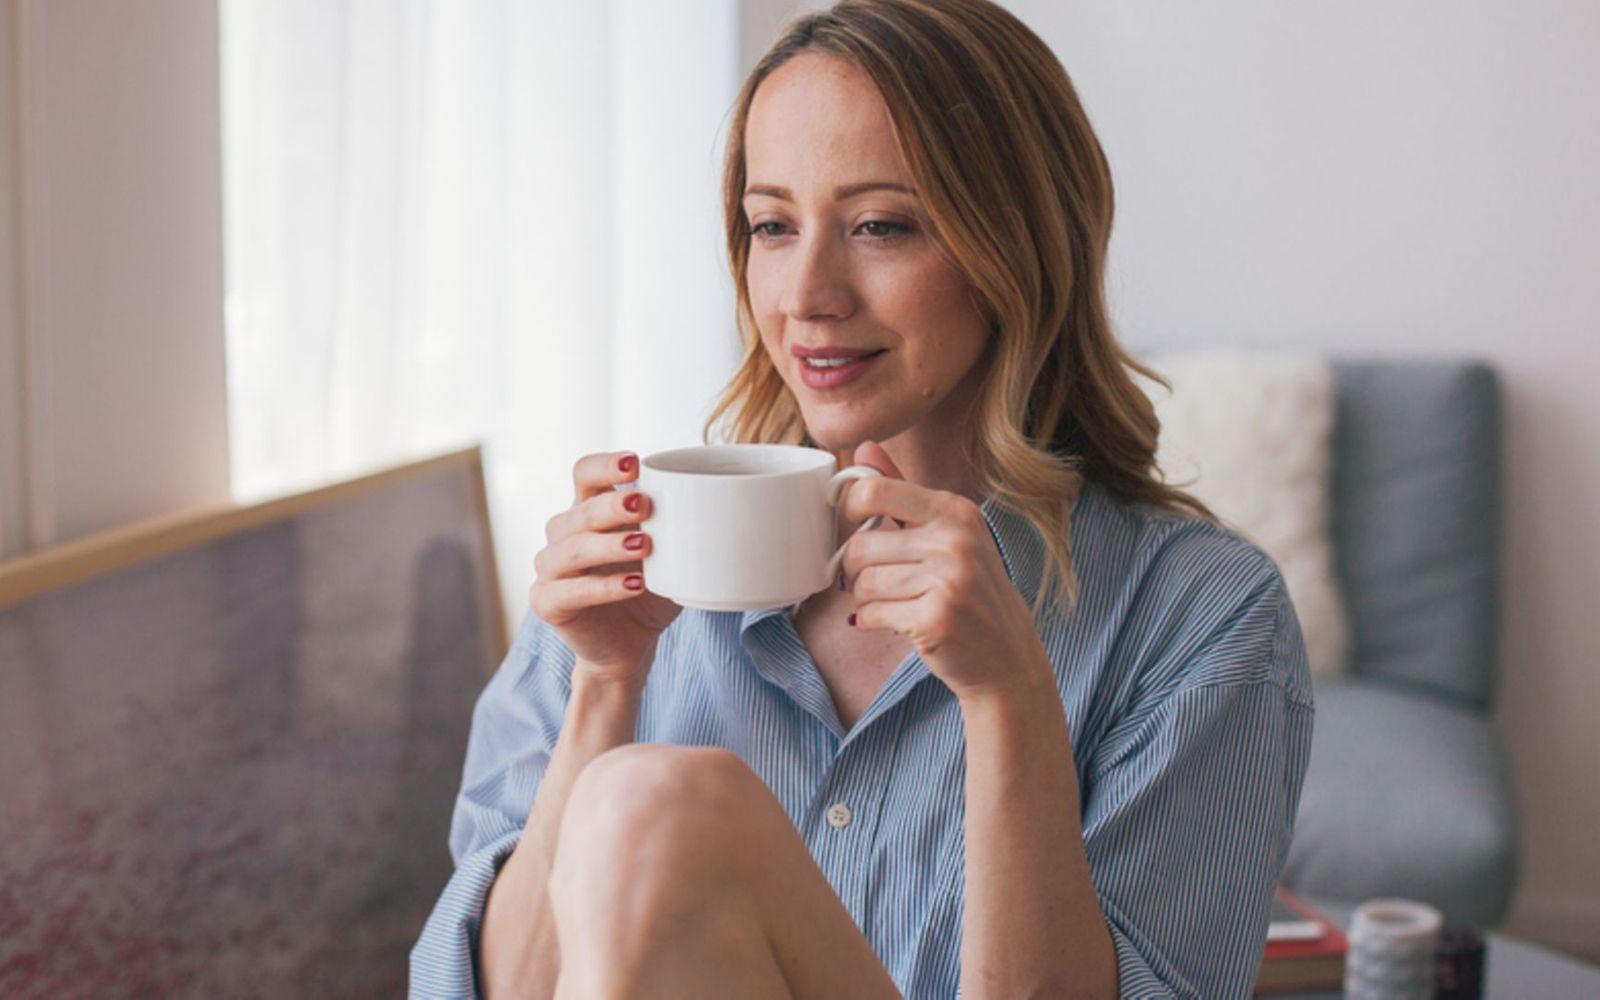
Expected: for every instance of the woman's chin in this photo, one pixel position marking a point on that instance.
(844, 435)
(831, 436)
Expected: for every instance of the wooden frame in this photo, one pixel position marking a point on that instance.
(100, 554)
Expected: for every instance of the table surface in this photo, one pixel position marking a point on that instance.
(1512, 969)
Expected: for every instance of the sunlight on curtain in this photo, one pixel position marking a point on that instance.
(465, 220)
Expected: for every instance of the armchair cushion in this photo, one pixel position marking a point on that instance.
(1406, 794)
(1416, 462)
(1249, 434)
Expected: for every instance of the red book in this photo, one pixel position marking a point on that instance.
(1305, 950)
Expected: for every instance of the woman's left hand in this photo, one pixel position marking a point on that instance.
(940, 582)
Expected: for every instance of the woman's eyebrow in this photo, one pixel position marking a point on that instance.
(839, 193)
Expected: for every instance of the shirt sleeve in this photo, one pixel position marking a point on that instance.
(514, 728)
(1192, 798)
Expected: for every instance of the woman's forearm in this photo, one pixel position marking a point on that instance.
(517, 951)
(1032, 924)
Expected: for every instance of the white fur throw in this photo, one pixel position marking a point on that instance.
(1250, 435)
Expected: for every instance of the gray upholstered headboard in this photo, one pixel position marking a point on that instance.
(231, 741)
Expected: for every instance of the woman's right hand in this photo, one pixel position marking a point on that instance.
(590, 585)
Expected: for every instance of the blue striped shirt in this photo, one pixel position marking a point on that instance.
(1183, 675)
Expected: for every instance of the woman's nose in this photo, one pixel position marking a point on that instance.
(819, 281)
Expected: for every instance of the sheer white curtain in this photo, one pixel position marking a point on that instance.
(470, 220)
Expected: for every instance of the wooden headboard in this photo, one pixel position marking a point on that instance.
(230, 741)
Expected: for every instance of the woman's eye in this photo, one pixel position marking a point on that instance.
(886, 230)
(880, 230)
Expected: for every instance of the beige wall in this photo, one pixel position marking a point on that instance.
(112, 385)
(13, 432)
(1369, 177)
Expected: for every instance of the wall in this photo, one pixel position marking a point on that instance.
(13, 433)
(111, 350)
(1365, 177)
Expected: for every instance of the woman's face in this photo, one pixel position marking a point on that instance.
(843, 269)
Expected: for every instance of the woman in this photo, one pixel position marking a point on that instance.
(994, 760)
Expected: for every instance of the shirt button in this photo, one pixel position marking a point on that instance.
(838, 815)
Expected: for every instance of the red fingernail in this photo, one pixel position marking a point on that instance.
(852, 617)
(633, 581)
(632, 502)
(634, 542)
(626, 463)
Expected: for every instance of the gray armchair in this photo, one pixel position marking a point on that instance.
(1408, 792)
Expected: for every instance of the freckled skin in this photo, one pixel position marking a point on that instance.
(820, 274)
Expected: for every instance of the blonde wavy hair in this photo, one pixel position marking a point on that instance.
(996, 143)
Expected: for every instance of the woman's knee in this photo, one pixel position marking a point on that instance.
(656, 780)
(645, 812)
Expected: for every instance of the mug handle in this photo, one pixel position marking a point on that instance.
(836, 486)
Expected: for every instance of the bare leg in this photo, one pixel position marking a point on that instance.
(679, 875)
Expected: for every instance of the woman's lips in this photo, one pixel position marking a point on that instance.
(831, 373)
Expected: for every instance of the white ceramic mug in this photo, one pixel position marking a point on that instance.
(743, 527)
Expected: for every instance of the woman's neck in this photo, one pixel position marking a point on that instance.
(935, 451)
(928, 458)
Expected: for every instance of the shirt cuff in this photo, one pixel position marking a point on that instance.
(1142, 973)
(445, 957)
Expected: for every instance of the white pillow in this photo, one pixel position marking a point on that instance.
(1250, 435)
